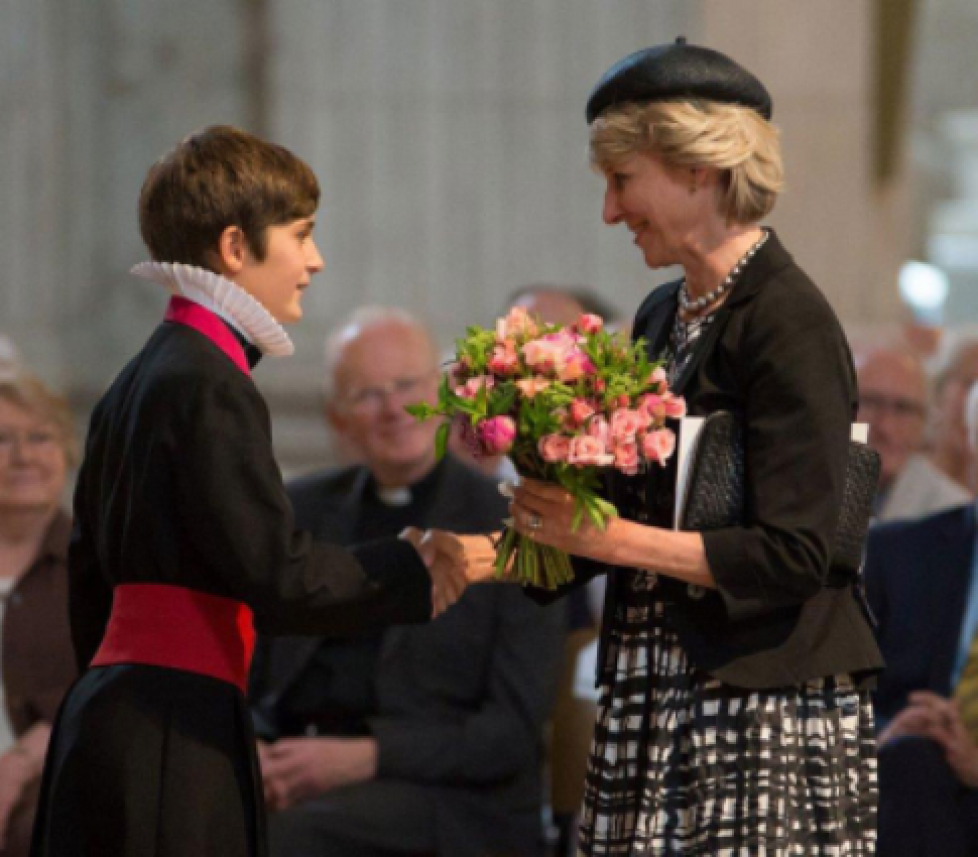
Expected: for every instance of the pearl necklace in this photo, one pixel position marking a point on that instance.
(695, 305)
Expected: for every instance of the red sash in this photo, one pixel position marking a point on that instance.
(173, 626)
(179, 628)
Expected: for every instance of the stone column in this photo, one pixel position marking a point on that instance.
(850, 233)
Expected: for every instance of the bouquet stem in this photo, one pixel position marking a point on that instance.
(533, 564)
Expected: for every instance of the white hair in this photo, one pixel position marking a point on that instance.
(356, 324)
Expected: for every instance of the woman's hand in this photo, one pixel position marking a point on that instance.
(544, 512)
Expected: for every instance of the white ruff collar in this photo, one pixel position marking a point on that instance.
(223, 297)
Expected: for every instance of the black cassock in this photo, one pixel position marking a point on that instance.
(179, 487)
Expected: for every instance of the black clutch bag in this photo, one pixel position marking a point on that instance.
(715, 488)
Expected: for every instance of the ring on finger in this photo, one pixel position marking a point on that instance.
(534, 521)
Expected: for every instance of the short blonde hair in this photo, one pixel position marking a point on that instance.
(30, 394)
(735, 140)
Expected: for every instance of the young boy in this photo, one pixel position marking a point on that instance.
(184, 541)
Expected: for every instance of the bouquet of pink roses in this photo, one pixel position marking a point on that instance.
(563, 403)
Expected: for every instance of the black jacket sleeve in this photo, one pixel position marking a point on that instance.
(240, 519)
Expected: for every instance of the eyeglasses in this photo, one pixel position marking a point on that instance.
(369, 400)
(904, 409)
(40, 439)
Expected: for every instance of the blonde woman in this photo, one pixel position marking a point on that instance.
(734, 710)
(36, 661)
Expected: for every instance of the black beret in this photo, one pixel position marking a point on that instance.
(675, 71)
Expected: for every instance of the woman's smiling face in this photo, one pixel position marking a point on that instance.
(33, 460)
(660, 205)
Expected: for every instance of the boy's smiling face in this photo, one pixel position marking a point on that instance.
(278, 280)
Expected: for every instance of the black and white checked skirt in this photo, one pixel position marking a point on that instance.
(684, 764)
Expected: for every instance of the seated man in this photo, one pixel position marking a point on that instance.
(922, 585)
(950, 450)
(893, 399)
(424, 739)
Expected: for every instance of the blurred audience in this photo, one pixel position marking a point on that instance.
(36, 449)
(950, 450)
(893, 400)
(922, 585)
(425, 739)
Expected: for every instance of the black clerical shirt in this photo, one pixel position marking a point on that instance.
(335, 693)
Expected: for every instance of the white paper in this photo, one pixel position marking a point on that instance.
(689, 429)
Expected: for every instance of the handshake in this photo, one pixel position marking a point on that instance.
(453, 562)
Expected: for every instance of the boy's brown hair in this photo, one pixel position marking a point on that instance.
(219, 177)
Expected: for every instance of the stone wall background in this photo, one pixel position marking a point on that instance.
(450, 141)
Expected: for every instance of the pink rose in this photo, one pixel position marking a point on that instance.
(529, 387)
(540, 355)
(550, 353)
(653, 405)
(518, 322)
(576, 365)
(626, 458)
(580, 410)
(659, 445)
(587, 451)
(589, 323)
(625, 424)
(470, 389)
(505, 360)
(497, 435)
(554, 447)
(675, 406)
(598, 427)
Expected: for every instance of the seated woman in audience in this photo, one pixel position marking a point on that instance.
(36, 662)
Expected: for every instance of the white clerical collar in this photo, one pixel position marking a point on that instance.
(224, 298)
(394, 496)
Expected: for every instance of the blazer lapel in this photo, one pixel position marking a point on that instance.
(701, 348)
(661, 315)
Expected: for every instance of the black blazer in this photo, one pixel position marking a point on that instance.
(779, 357)
(461, 702)
(918, 578)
